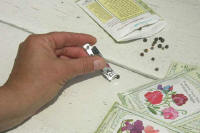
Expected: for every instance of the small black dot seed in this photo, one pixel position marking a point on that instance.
(153, 59)
(156, 39)
(141, 54)
(144, 40)
(146, 50)
(163, 48)
(140, 28)
(166, 46)
(161, 39)
(154, 43)
(159, 45)
(156, 69)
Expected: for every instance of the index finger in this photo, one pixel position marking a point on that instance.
(64, 39)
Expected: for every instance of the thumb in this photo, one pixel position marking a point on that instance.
(87, 64)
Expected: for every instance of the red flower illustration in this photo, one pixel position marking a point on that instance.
(154, 97)
(179, 99)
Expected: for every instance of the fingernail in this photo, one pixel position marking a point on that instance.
(98, 65)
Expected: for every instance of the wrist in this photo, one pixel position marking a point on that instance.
(11, 113)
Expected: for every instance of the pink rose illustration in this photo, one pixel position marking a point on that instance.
(154, 97)
(170, 113)
(150, 129)
(179, 99)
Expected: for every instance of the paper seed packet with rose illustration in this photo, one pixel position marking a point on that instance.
(122, 120)
(174, 100)
(178, 67)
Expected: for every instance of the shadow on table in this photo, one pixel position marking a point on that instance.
(67, 85)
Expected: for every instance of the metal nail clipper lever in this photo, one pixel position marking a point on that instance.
(107, 72)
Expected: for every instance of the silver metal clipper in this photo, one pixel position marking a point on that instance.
(107, 72)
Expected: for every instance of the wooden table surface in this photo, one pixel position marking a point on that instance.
(86, 100)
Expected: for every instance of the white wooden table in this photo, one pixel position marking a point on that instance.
(86, 100)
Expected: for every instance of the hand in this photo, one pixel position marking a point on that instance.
(43, 65)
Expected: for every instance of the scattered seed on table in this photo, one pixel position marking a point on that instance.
(153, 59)
(156, 39)
(141, 54)
(161, 39)
(146, 50)
(159, 45)
(156, 69)
(154, 43)
(152, 48)
(163, 48)
(166, 46)
(144, 40)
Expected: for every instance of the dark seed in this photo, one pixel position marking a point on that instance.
(156, 39)
(161, 39)
(141, 54)
(166, 46)
(140, 28)
(152, 48)
(159, 45)
(156, 69)
(144, 40)
(163, 48)
(146, 50)
(153, 59)
(153, 44)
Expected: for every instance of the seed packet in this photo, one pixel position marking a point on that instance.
(122, 120)
(178, 67)
(124, 20)
(174, 100)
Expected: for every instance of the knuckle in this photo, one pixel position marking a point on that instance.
(35, 40)
(65, 51)
(31, 37)
(21, 45)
